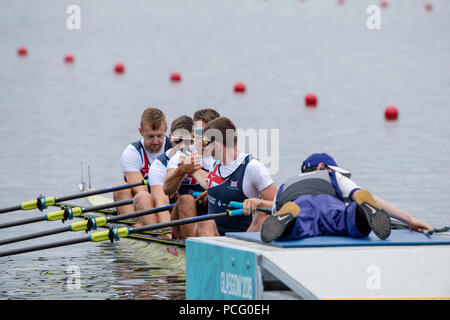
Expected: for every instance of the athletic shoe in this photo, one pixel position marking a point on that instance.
(278, 223)
(377, 218)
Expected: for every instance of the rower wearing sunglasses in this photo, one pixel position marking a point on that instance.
(232, 176)
(183, 182)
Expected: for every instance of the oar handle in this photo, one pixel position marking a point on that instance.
(235, 204)
(236, 212)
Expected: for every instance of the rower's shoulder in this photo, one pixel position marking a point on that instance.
(256, 165)
(130, 150)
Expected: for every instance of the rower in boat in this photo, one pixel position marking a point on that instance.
(185, 183)
(233, 176)
(138, 156)
(323, 200)
(181, 137)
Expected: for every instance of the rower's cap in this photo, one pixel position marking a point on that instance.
(317, 158)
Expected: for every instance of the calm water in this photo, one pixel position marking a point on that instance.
(55, 115)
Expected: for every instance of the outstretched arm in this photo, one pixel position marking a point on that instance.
(413, 223)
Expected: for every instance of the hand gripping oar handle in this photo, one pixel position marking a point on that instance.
(117, 233)
(234, 204)
(42, 202)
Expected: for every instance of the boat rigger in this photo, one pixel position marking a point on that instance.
(409, 265)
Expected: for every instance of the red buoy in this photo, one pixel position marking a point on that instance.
(119, 67)
(391, 113)
(239, 87)
(22, 51)
(311, 100)
(69, 58)
(341, 1)
(428, 7)
(175, 76)
(384, 4)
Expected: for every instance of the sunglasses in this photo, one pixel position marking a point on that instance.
(198, 132)
(177, 140)
(207, 142)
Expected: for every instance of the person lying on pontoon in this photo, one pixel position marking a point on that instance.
(323, 200)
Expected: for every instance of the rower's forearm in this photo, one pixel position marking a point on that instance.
(266, 203)
(173, 182)
(200, 176)
(392, 210)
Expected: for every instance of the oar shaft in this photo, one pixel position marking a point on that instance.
(59, 215)
(42, 202)
(139, 213)
(108, 205)
(100, 191)
(121, 232)
(178, 222)
(35, 235)
(9, 209)
(21, 222)
(83, 225)
(45, 246)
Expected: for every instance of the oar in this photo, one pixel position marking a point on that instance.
(240, 205)
(235, 204)
(114, 234)
(65, 214)
(90, 223)
(43, 202)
